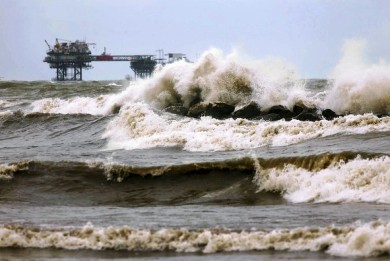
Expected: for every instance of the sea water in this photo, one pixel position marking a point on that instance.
(98, 170)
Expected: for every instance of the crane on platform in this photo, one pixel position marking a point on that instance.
(48, 45)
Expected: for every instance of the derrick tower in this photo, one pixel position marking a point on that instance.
(69, 59)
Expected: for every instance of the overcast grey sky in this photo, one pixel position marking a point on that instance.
(307, 33)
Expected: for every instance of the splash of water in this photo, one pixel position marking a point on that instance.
(359, 87)
(359, 180)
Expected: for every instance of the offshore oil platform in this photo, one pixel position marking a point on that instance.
(70, 58)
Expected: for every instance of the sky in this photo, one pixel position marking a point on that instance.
(308, 34)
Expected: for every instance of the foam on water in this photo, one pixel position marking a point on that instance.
(7, 171)
(5, 114)
(369, 239)
(137, 127)
(5, 104)
(359, 180)
(85, 105)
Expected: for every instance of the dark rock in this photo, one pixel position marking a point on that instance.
(115, 109)
(219, 110)
(178, 109)
(382, 115)
(195, 101)
(248, 111)
(270, 117)
(308, 116)
(297, 109)
(198, 109)
(282, 111)
(279, 109)
(329, 114)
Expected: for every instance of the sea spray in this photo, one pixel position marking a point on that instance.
(359, 87)
(228, 79)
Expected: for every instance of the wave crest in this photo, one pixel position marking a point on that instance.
(7, 171)
(358, 180)
(370, 239)
(138, 127)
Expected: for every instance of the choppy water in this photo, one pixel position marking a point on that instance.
(97, 170)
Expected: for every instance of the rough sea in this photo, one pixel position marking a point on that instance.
(99, 170)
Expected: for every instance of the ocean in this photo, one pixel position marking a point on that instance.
(100, 170)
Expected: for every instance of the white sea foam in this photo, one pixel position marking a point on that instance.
(369, 239)
(372, 239)
(4, 114)
(84, 105)
(113, 84)
(137, 127)
(7, 171)
(358, 180)
(5, 104)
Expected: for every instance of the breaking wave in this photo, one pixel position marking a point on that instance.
(228, 79)
(85, 105)
(358, 180)
(342, 177)
(138, 127)
(7, 171)
(368, 239)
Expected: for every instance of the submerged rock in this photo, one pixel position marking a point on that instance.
(198, 110)
(178, 109)
(116, 108)
(382, 115)
(253, 111)
(300, 108)
(270, 117)
(249, 111)
(279, 109)
(308, 116)
(219, 110)
(216, 110)
(329, 115)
